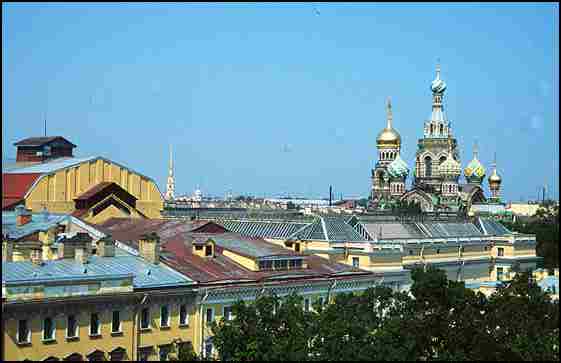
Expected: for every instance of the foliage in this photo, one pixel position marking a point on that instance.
(438, 320)
(186, 353)
(545, 226)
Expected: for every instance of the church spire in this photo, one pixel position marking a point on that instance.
(389, 113)
(170, 187)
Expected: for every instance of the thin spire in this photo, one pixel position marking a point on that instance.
(495, 160)
(437, 68)
(170, 160)
(475, 150)
(389, 113)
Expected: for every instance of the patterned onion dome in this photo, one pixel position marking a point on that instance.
(438, 85)
(474, 169)
(398, 168)
(494, 178)
(450, 167)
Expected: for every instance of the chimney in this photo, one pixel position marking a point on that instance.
(83, 245)
(106, 247)
(7, 249)
(36, 256)
(23, 216)
(149, 247)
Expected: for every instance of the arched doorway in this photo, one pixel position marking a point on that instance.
(428, 166)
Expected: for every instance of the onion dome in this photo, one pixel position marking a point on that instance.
(474, 171)
(438, 85)
(398, 168)
(388, 137)
(494, 179)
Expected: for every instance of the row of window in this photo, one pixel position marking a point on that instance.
(49, 328)
(226, 313)
(269, 265)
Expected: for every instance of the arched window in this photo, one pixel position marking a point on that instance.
(441, 130)
(428, 166)
(431, 129)
(441, 160)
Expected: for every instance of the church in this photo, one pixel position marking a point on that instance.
(437, 168)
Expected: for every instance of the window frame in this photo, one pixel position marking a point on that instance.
(18, 332)
(148, 326)
(357, 259)
(76, 327)
(167, 325)
(307, 306)
(207, 320)
(230, 316)
(500, 251)
(53, 330)
(120, 330)
(98, 322)
(186, 322)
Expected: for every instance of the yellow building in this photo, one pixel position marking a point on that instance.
(93, 188)
(109, 306)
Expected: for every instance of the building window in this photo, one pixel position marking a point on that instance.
(227, 312)
(183, 316)
(281, 265)
(428, 166)
(321, 301)
(437, 251)
(94, 324)
(410, 252)
(500, 273)
(356, 261)
(145, 318)
(48, 329)
(306, 304)
(500, 251)
(208, 348)
(198, 248)
(164, 352)
(144, 353)
(24, 334)
(71, 327)
(116, 322)
(209, 315)
(294, 264)
(297, 247)
(208, 251)
(164, 316)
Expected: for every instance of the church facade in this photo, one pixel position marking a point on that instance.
(437, 168)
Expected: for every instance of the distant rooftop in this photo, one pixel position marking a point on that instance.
(39, 222)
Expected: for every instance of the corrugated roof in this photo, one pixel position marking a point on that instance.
(123, 264)
(394, 230)
(50, 166)
(39, 222)
(250, 247)
(328, 229)
(451, 229)
(492, 227)
(39, 141)
(263, 229)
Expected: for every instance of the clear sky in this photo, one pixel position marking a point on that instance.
(283, 98)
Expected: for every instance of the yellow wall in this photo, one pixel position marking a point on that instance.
(242, 260)
(58, 191)
(38, 350)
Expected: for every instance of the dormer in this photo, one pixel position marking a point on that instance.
(203, 248)
(41, 149)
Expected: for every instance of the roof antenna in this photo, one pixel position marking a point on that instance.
(45, 124)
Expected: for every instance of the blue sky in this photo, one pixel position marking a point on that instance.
(271, 99)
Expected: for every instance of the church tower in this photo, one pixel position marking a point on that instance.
(388, 144)
(433, 148)
(170, 188)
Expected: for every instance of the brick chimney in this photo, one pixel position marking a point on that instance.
(36, 256)
(149, 247)
(23, 216)
(77, 246)
(7, 249)
(106, 247)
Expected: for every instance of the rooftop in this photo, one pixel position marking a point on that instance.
(39, 222)
(40, 141)
(144, 274)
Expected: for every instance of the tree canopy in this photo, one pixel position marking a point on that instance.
(438, 320)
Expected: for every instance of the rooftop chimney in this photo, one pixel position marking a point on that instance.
(77, 246)
(36, 256)
(149, 247)
(106, 247)
(23, 216)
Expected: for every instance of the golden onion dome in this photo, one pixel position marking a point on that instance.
(494, 178)
(388, 136)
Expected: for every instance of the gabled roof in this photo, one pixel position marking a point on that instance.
(264, 229)
(40, 141)
(330, 229)
(15, 186)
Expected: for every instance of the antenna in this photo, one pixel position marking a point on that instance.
(45, 124)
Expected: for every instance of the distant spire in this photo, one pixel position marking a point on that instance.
(438, 68)
(495, 160)
(170, 188)
(389, 113)
(475, 151)
(170, 161)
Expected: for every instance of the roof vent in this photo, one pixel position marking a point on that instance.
(149, 272)
(85, 270)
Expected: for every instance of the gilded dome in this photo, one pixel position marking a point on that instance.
(450, 167)
(494, 178)
(398, 168)
(389, 136)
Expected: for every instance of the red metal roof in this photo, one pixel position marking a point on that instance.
(40, 141)
(15, 186)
